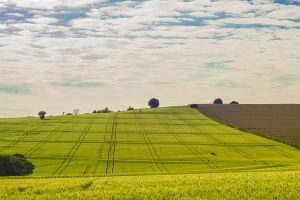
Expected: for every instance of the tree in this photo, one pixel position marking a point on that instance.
(130, 108)
(194, 105)
(234, 102)
(76, 111)
(153, 103)
(105, 110)
(218, 101)
(15, 165)
(42, 114)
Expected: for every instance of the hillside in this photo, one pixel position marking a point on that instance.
(148, 141)
(274, 121)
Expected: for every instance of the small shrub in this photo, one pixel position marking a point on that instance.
(234, 102)
(22, 189)
(130, 108)
(86, 185)
(194, 106)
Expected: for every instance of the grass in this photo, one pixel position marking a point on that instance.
(165, 153)
(230, 185)
(171, 140)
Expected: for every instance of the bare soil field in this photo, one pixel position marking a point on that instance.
(280, 122)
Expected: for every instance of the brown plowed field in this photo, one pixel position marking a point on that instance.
(280, 122)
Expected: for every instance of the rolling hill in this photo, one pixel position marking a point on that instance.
(173, 140)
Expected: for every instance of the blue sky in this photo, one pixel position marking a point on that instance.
(58, 55)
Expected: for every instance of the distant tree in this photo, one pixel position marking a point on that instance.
(76, 111)
(69, 114)
(153, 103)
(130, 108)
(105, 110)
(42, 114)
(218, 101)
(194, 105)
(234, 102)
(15, 165)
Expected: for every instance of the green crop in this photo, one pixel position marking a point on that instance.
(171, 140)
(230, 185)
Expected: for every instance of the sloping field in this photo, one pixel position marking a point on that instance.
(149, 141)
(280, 122)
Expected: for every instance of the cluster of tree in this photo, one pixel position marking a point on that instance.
(153, 103)
(105, 110)
(15, 165)
(216, 101)
(220, 101)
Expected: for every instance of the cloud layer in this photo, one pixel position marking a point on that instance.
(120, 53)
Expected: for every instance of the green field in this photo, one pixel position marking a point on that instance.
(132, 145)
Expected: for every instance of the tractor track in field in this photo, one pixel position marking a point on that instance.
(101, 147)
(287, 155)
(271, 147)
(74, 149)
(87, 170)
(150, 146)
(188, 146)
(112, 146)
(47, 138)
(21, 138)
(228, 145)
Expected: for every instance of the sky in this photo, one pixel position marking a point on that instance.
(60, 55)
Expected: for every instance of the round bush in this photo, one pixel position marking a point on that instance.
(218, 101)
(153, 103)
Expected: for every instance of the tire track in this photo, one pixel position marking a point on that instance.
(21, 138)
(101, 147)
(188, 146)
(46, 139)
(87, 170)
(227, 145)
(150, 146)
(287, 155)
(74, 149)
(112, 146)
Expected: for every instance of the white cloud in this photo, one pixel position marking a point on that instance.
(38, 19)
(150, 48)
(15, 14)
(287, 12)
(49, 4)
